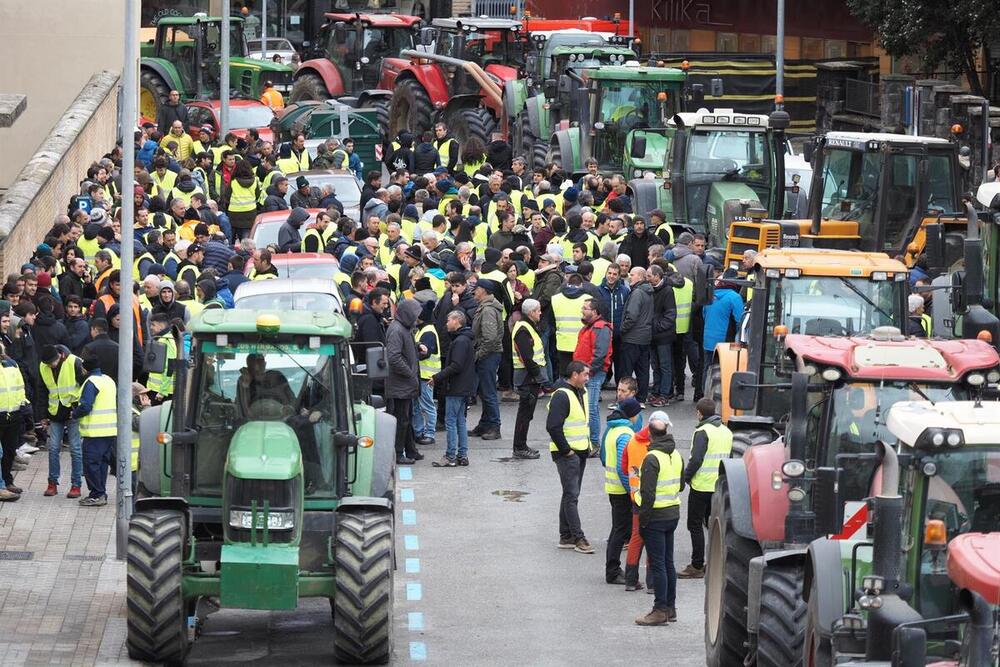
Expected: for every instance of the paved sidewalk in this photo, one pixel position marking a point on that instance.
(62, 593)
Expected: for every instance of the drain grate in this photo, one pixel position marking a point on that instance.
(82, 557)
(17, 555)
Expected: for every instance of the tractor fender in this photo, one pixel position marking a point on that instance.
(502, 72)
(824, 555)
(391, 67)
(731, 360)
(171, 503)
(370, 502)
(149, 449)
(649, 194)
(538, 116)
(374, 93)
(735, 474)
(768, 507)
(460, 102)
(163, 69)
(432, 78)
(325, 70)
(791, 557)
(514, 97)
(384, 455)
(564, 139)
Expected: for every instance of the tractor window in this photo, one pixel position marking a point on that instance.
(623, 106)
(850, 186)
(273, 383)
(828, 306)
(738, 155)
(901, 199)
(179, 48)
(942, 184)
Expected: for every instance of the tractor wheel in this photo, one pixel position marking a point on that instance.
(743, 440)
(309, 87)
(538, 154)
(726, 582)
(381, 107)
(153, 91)
(713, 386)
(410, 109)
(156, 618)
(528, 144)
(782, 619)
(554, 154)
(471, 122)
(362, 608)
(818, 650)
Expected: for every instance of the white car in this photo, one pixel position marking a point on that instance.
(346, 187)
(316, 295)
(276, 46)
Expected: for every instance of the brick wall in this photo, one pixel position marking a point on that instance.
(84, 133)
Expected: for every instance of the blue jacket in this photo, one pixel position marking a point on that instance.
(145, 154)
(355, 164)
(727, 306)
(87, 398)
(621, 444)
(614, 301)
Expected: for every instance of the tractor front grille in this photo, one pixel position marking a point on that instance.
(280, 495)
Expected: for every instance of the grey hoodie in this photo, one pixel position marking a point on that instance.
(686, 261)
(289, 237)
(637, 320)
(401, 353)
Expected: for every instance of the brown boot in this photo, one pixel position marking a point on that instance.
(691, 572)
(655, 617)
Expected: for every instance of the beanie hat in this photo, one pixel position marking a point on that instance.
(630, 407)
(44, 280)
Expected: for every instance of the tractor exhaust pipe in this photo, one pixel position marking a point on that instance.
(980, 628)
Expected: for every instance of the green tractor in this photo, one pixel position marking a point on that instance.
(608, 113)
(185, 56)
(268, 478)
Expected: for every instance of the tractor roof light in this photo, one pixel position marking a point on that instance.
(772, 273)
(222, 340)
(957, 128)
(879, 275)
(739, 120)
(832, 374)
(753, 121)
(935, 534)
(708, 120)
(928, 468)
(793, 273)
(872, 584)
(723, 120)
(268, 324)
(935, 438)
(976, 379)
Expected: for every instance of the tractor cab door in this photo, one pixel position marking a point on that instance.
(464, 45)
(379, 44)
(179, 47)
(211, 65)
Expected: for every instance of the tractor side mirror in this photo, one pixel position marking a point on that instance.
(375, 363)
(344, 440)
(427, 36)
(807, 150)
(972, 281)
(704, 285)
(827, 504)
(550, 88)
(154, 358)
(717, 88)
(743, 390)
(697, 95)
(339, 32)
(909, 647)
(638, 146)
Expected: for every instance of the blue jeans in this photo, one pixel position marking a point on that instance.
(454, 426)
(486, 373)
(546, 337)
(75, 450)
(424, 412)
(663, 364)
(594, 401)
(97, 457)
(659, 539)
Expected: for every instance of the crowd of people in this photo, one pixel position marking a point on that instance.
(486, 281)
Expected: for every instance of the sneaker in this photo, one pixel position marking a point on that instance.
(415, 455)
(655, 617)
(526, 453)
(27, 449)
(445, 462)
(51, 489)
(510, 397)
(618, 579)
(634, 587)
(94, 502)
(656, 401)
(16, 489)
(491, 435)
(8, 496)
(425, 441)
(475, 433)
(404, 460)
(22, 458)
(677, 398)
(463, 460)
(74, 492)
(582, 546)
(691, 572)
(567, 543)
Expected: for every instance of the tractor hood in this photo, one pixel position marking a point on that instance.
(264, 450)
(974, 563)
(727, 202)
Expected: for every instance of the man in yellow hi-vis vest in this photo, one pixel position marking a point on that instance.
(621, 427)
(529, 373)
(569, 444)
(429, 362)
(97, 412)
(712, 442)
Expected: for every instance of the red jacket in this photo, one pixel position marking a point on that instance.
(595, 339)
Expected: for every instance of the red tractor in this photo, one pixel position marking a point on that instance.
(349, 57)
(459, 79)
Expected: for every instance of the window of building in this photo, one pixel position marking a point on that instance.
(768, 43)
(726, 42)
(812, 48)
(750, 43)
(836, 48)
(679, 40)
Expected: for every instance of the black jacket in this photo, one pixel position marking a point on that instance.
(168, 113)
(637, 247)
(466, 303)
(79, 333)
(425, 158)
(648, 475)
(664, 312)
(71, 284)
(50, 331)
(500, 155)
(458, 375)
(370, 327)
(403, 380)
(558, 413)
(104, 350)
(274, 200)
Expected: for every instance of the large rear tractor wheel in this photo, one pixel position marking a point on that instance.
(362, 608)
(410, 109)
(381, 107)
(157, 627)
(818, 649)
(471, 122)
(528, 145)
(554, 154)
(538, 154)
(782, 620)
(744, 440)
(309, 87)
(713, 386)
(153, 92)
(726, 583)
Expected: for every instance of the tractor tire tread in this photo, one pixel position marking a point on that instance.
(782, 621)
(309, 87)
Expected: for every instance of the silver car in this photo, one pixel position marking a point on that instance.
(314, 295)
(348, 190)
(276, 46)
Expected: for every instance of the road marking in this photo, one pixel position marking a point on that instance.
(406, 495)
(411, 542)
(409, 517)
(418, 651)
(414, 591)
(412, 565)
(406, 474)
(416, 621)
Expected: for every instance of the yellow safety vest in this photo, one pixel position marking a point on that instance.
(720, 444)
(432, 364)
(443, 204)
(135, 444)
(668, 482)
(102, 420)
(185, 196)
(342, 279)
(528, 278)
(189, 273)
(12, 390)
(193, 307)
(406, 227)
(480, 237)
(162, 382)
(444, 151)
(683, 297)
(217, 152)
(386, 253)
(135, 265)
(473, 167)
(63, 389)
(293, 164)
(163, 184)
(243, 199)
(89, 247)
(600, 270)
(612, 482)
(437, 284)
(567, 313)
(313, 233)
(393, 271)
(266, 184)
(926, 324)
(576, 427)
(537, 351)
(668, 229)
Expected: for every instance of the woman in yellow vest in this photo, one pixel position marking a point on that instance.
(429, 357)
(473, 156)
(97, 412)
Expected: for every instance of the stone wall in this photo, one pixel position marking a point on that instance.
(86, 131)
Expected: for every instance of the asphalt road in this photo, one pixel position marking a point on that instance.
(480, 580)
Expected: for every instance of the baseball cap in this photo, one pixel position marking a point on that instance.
(660, 416)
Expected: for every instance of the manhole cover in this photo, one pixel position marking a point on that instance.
(83, 557)
(16, 555)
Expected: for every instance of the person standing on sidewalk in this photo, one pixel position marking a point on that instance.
(569, 444)
(97, 414)
(659, 503)
(488, 332)
(637, 331)
(593, 347)
(621, 425)
(529, 373)
(458, 382)
(12, 404)
(402, 384)
(712, 442)
(429, 355)
(60, 373)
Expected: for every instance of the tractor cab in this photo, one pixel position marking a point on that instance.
(487, 42)
(357, 44)
(556, 51)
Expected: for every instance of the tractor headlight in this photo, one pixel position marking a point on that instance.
(975, 379)
(831, 374)
(793, 468)
(275, 520)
